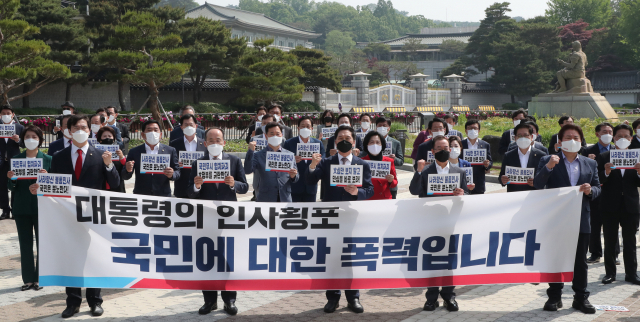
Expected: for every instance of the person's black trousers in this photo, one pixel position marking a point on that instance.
(629, 223)
(303, 197)
(227, 296)
(446, 292)
(394, 194)
(579, 284)
(4, 190)
(74, 296)
(334, 295)
(595, 242)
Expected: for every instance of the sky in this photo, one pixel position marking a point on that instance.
(451, 10)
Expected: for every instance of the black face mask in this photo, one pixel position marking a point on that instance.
(344, 146)
(442, 156)
(106, 141)
(328, 119)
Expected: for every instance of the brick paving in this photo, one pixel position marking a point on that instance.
(502, 303)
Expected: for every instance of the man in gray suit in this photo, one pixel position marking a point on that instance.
(274, 186)
(383, 125)
(276, 110)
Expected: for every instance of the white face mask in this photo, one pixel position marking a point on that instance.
(455, 153)
(80, 136)
(95, 128)
(305, 133)
(215, 149)
(260, 117)
(516, 123)
(7, 118)
(472, 134)
(277, 117)
(638, 132)
(274, 140)
(66, 133)
(374, 149)
(534, 137)
(189, 131)
(365, 125)
(437, 133)
(111, 118)
(153, 138)
(31, 144)
(344, 124)
(523, 143)
(66, 112)
(623, 143)
(383, 130)
(263, 130)
(571, 146)
(606, 138)
(449, 126)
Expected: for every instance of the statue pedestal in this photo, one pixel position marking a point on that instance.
(577, 105)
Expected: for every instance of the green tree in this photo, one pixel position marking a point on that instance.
(317, 71)
(377, 50)
(595, 12)
(411, 48)
(270, 75)
(339, 43)
(211, 51)
(23, 60)
(183, 4)
(452, 48)
(480, 44)
(145, 54)
(629, 24)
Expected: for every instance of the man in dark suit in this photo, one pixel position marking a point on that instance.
(566, 169)
(236, 182)
(189, 142)
(67, 109)
(152, 184)
(320, 169)
(9, 147)
(553, 143)
(534, 138)
(451, 122)
(343, 120)
(620, 190)
(177, 130)
(301, 191)
(112, 116)
(479, 171)
(508, 135)
(419, 187)
(276, 110)
(436, 127)
(524, 156)
(260, 112)
(90, 168)
(604, 132)
(64, 142)
(635, 143)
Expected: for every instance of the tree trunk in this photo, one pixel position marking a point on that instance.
(25, 100)
(513, 99)
(122, 86)
(153, 106)
(67, 95)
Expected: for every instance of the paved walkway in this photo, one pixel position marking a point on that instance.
(504, 303)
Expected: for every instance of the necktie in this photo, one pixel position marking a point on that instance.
(79, 164)
(344, 161)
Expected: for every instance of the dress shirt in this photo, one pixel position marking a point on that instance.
(472, 146)
(441, 170)
(524, 158)
(152, 151)
(573, 169)
(603, 149)
(191, 146)
(74, 154)
(346, 162)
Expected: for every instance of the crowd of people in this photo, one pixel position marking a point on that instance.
(438, 149)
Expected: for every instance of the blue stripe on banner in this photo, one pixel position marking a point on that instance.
(79, 281)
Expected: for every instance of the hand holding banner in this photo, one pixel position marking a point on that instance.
(475, 156)
(442, 184)
(187, 157)
(306, 150)
(7, 131)
(213, 170)
(109, 148)
(261, 143)
(624, 159)
(154, 163)
(54, 185)
(469, 171)
(279, 161)
(345, 175)
(25, 168)
(519, 175)
(379, 169)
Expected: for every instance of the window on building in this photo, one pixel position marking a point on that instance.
(249, 38)
(291, 45)
(281, 43)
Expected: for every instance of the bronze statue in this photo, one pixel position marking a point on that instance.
(574, 69)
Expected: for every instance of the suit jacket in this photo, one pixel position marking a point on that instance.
(512, 159)
(419, 182)
(554, 140)
(152, 184)
(301, 186)
(272, 183)
(55, 146)
(9, 147)
(456, 133)
(331, 144)
(594, 149)
(505, 140)
(323, 171)
(635, 143)
(423, 153)
(94, 173)
(180, 186)
(558, 178)
(618, 189)
(251, 129)
(177, 133)
(211, 191)
(287, 133)
(479, 170)
(536, 144)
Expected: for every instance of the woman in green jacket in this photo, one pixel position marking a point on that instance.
(25, 206)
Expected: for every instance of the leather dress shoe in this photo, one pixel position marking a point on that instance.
(632, 279)
(451, 305)
(70, 311)
(584, 306)
(593, 259)
(331, 306)
(97, 310)
(552, 305)
(355, 306)
(230, 308)
(5, 215)
(608, 279)
(428, 306)
(208, 307)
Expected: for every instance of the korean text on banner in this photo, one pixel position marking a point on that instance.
(469, 172)
(54, 185)
(346, 175)
(306, 150)
(442, 184)
(328, 132)
(25, 168)
(475, 156)
(387, 151)
(519, 175)
(188, 157)
(154, 163)
(113, 149)
(213, 170)
(379, 169)
(279, 161)
(7, 130)
(625, 159)
(261, 143)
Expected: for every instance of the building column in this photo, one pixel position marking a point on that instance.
(361, 83)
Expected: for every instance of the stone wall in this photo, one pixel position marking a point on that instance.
(91, 96)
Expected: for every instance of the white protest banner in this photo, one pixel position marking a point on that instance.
(469, 171)
(187, 157)
(624, 159)
(512, 136)
(346, 175)
(109, 148)
(328, 132)
(442, 184)
(258, 125)
(24, 169)
(149, 242)
(475, 156)
(306, 150)
(154, 163)
(54, 185)
(93, 142)
(214, 170)
(57, 123)
(611, 308)
(361, 135)
(379, 169)
(261, 143)
(279, 161)
(430, 157)
(387, 151)
(519, 175)
(7, 130)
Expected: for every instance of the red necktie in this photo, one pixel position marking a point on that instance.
(79, 164)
